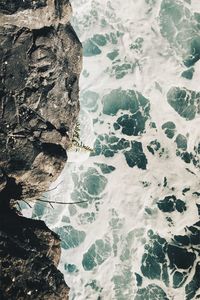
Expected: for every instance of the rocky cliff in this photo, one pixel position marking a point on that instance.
(40, 65)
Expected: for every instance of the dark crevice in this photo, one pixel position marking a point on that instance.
(12, 191)
(54, 150)
(69, 84)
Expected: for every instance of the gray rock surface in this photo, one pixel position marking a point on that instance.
(41, 60)
(39, 103)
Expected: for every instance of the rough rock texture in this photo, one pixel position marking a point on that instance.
(29, 254)
(38, 92)
(40, 57)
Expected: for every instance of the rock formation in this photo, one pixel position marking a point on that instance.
(40, 65)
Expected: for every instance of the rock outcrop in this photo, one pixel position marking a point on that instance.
(29, 254)
(40, 66)
(41, 60)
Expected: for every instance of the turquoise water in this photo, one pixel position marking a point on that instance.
(138, 234)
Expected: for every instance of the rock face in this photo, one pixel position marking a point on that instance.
(41, 60)
(29, 254)
(39, 104)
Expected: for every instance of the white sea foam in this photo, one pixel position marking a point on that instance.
(126, 209)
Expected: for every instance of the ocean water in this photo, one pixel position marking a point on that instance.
(137, 236)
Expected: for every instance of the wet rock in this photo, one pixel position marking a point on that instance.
(40, 57)
(39, 93)
(10, 7)
(35, 14)
(29, 253)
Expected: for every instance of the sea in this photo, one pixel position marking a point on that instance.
(129, 225)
